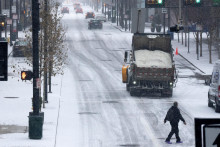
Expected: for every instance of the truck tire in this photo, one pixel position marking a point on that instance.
(134, 92)
(165, 94)
(127, 87)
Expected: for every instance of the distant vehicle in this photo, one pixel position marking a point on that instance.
(76, 5)
(90, 15)
(20, 48)
(101, 17)
(79, 10)
(214, 88)
(65, 10)
(96, 24)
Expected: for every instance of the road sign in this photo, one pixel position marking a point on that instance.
(164, 10)
(126, 16)
(198, 27)
(38, 83)
(15, 16)
(9, 21)
(211, 135)
(6, 12)
(13, 9)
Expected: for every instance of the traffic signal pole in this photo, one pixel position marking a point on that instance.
(35, 44)
(35, 117)
(45, 52)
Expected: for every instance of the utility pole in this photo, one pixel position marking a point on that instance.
(45, 50)
(0, 7)
(180, 17)
(35, 117)
(11, 22)
(17, 19)
(24, 14)
(117, 12)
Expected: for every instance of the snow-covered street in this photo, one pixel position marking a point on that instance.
(89, 105)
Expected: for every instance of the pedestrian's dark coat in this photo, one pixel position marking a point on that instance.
(174, 115)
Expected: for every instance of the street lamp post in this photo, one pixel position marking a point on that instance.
(35, 117)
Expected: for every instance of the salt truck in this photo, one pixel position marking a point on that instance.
(150, 66)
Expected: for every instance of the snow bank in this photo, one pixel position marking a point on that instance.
(158, 59)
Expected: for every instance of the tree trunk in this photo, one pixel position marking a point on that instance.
(182, 37)
(197, 43)
(210, 49)
(200, 44)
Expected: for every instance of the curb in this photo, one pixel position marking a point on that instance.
(191, 63)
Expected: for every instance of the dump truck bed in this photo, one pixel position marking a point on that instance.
(152, 42)
(154, 74)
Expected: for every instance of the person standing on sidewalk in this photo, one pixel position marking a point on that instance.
(174, 116)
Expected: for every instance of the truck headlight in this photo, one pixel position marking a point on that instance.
(171, 83)
(134, 82)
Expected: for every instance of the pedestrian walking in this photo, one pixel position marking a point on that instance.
(174, 116)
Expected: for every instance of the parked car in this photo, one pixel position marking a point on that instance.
(101, 17)
(65, 10)
(79, 10)
(21, 48)
(214, 88)
(96, 24)
(90, 15)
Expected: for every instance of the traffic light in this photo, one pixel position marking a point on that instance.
(193, 2)
(3, 61)
(154, 3)
(2, 22)
(216, 3)
(176, 28)
(26, 75)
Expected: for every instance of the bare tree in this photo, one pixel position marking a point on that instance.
(57, 53)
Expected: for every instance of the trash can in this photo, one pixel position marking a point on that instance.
(36, 125)
(171, 34)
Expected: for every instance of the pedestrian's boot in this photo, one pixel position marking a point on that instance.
(168, 141)
(179, 141)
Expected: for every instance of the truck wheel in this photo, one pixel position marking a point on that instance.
(127, 87)
(169, 94)
(134, 92)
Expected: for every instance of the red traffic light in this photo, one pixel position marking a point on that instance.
(26, 75)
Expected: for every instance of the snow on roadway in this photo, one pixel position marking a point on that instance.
(191, 94)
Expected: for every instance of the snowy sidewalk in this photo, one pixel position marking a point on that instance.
(15, 101)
